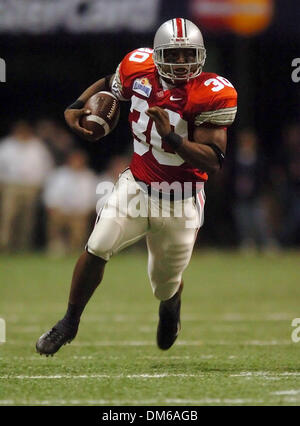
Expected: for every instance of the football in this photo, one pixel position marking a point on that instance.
(105, 112)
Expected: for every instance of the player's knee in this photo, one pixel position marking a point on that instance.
(163, 293)
(160, 295)
(97, 251)
(164, 289)
(103, 241)
(94, 260)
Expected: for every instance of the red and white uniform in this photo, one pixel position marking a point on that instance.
(207, 99)
(170, 236)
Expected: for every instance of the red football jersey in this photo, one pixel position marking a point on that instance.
(208, 98)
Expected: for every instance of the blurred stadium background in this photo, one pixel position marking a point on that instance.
(54, 50)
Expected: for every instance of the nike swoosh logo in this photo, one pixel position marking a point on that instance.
(174, 99)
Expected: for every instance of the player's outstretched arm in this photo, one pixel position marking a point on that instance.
(74, 112)
(206, 151)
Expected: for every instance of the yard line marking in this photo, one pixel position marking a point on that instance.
(227, 401)
(212, 401)
(287, 392)
(100, 376)
(179, 343)
(44, 359)
(194, 318)
(6, 402)
(57, 376)
(112, 343)
(154, 376)
(288, 373)
(115, 343)
(133, 343)
(291, 399)
(267, 343)
(276, 316)
(90, 357)
(107, 317)
(187, 343)
(266, 374)
(78, 402)
(250, 374)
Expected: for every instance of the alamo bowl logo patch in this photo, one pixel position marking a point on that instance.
(142, 86)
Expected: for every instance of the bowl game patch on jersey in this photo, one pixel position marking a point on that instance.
(142, 86)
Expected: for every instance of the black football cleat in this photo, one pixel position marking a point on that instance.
(52, 340)
(169, 321)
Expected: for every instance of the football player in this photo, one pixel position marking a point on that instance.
(179, 116)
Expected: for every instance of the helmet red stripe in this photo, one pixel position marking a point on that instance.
(179, 27)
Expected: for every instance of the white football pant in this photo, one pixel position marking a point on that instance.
(170, 229)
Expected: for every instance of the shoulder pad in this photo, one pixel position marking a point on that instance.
(214, 100)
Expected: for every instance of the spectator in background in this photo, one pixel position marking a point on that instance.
(250, 208)
(290, 186)
(59, 141)
(70, 198)
(24, 164)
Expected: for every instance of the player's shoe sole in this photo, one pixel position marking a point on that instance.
(51, 341)
(169, 321)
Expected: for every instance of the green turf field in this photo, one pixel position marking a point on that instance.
(235, 346)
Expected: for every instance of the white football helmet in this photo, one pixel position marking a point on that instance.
(178, 33)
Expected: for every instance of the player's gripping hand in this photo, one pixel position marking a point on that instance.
(161, 120)
(73, 116)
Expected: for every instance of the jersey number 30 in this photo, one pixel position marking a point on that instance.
(146, 136)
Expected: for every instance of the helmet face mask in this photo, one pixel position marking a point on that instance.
(182, 36)
(172, 69)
